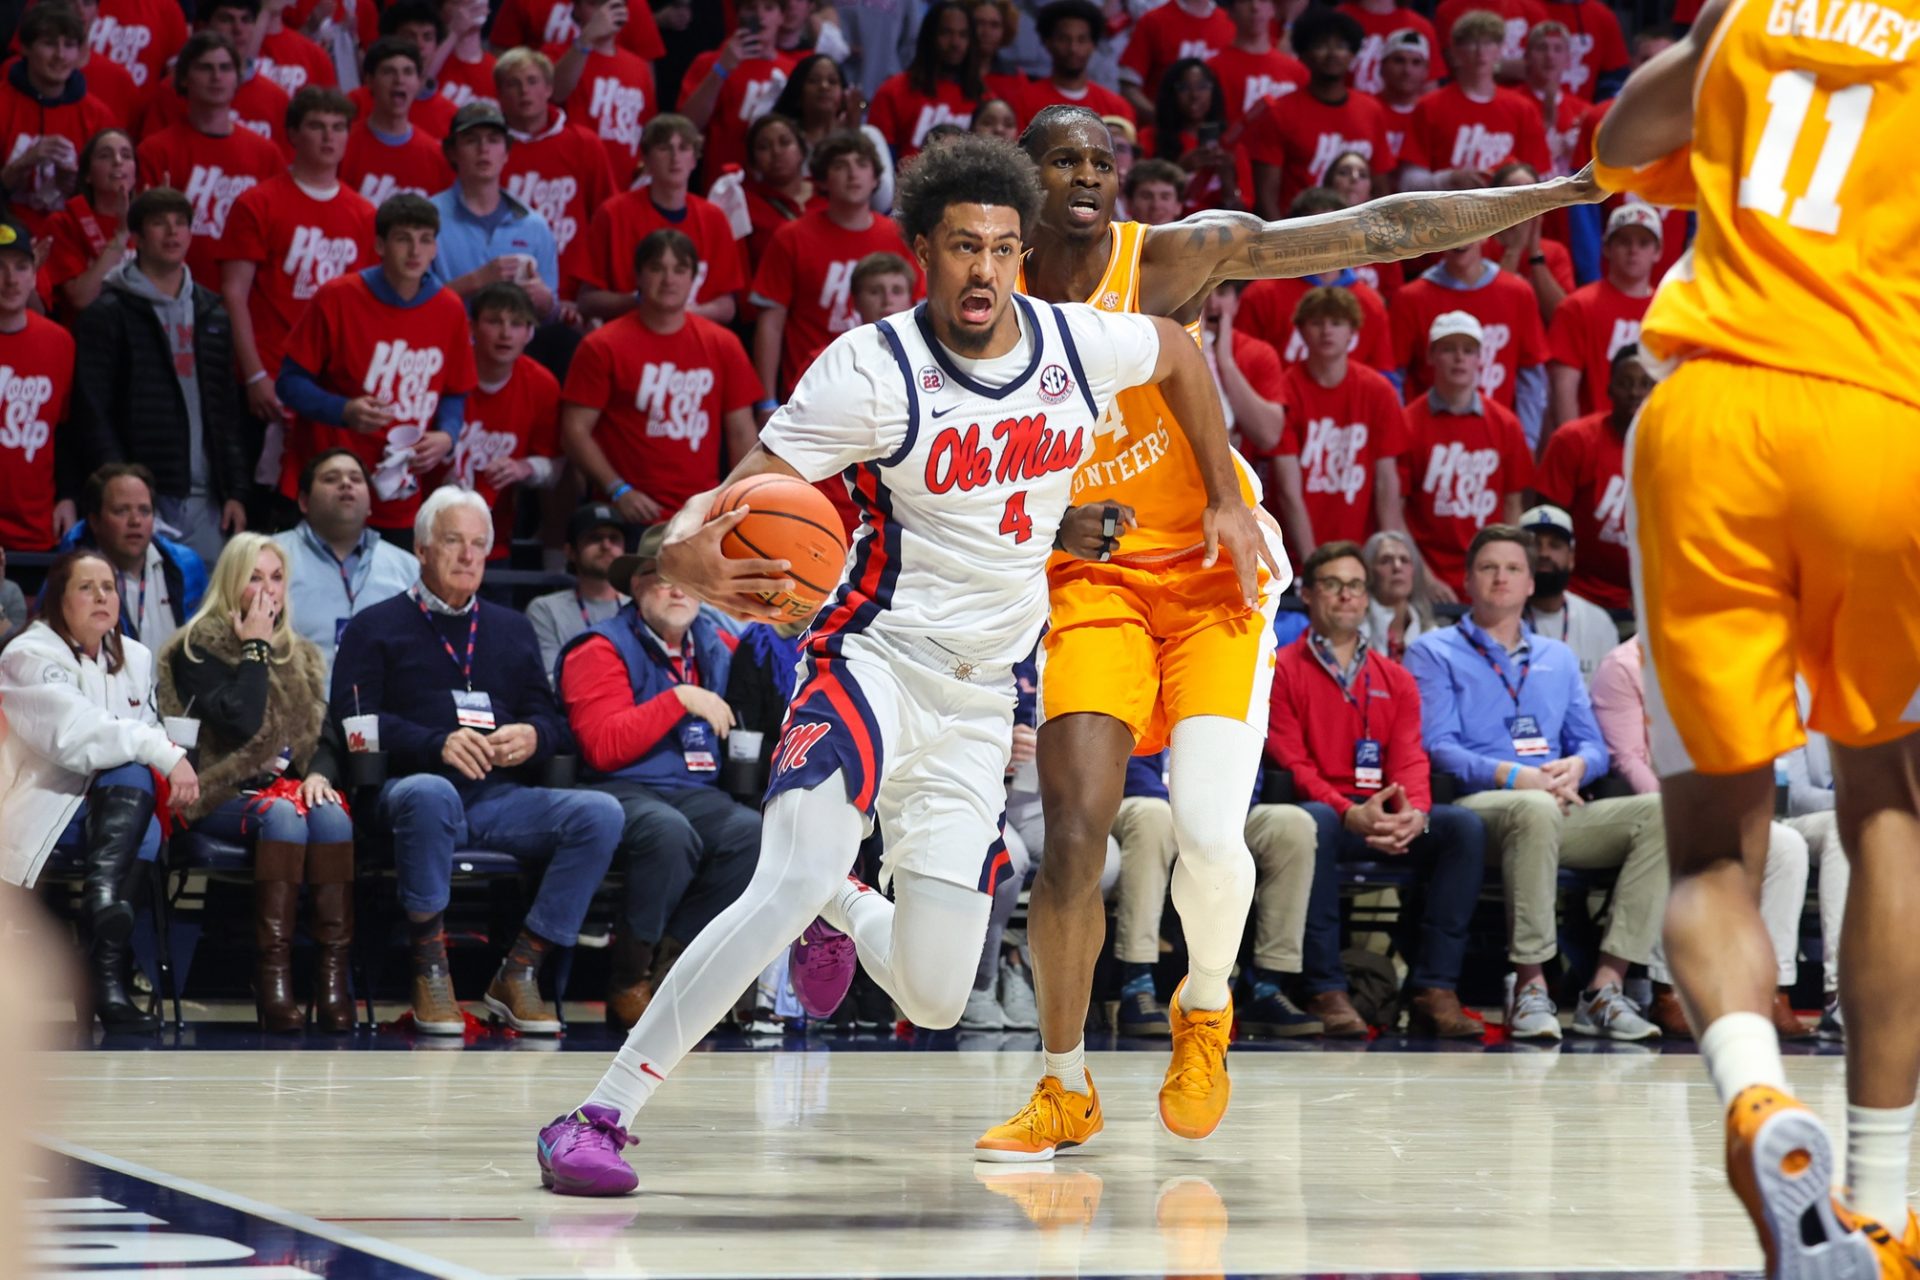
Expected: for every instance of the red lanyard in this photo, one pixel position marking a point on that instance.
(685, 668)
(473, 639)
(1513, 690)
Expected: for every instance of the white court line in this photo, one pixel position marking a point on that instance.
(385, 1250)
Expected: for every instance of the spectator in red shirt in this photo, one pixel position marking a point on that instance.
(1267, 306)
(38, 355)
(1252, 379)
(1465, 130)
(285, 239)
(996, 23)
(1517, 17)
(141, 35)
(1525, 250)
(940, 86)
(554, 167)
(208, 156)
(510, 433)
(1583, 470)
(1467, 460)
(1405, 60)
(1155, 191)
(107, 80)
(287, 57)
(659, 404)
(1599, 319)
(1336, 464)
(1513, 374)
(1177, 29)
(1598, 66)
(89, 235)
(1346, 724)
(539, 24)
(386, 152)
(259, 103)
(1251, 70)
(778, 187)
(728, 88)
(671, 151)
(818, 98)
(1070, 31)
(418, 23)
(1192, 118)
(804, 281)
(604, 85)
(1561, 109)
(1292, 140)
(46, 114)
(466, 68)
(1380, 19)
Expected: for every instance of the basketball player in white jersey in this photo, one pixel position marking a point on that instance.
(959, 425)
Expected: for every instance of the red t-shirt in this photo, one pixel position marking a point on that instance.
(903, 114)
(363, 16)
(354, 345)
(539, 23)
(808, 269)
(1594, 322)
(1563, 131)
(1675, 231)
(24, 122)
(1452, 131)
(1594, 34)
(614, 98)
(293, 62)
(1266, 311)
(377, 170)
(1399, 124)
(464, 82)
(1301, 136)
(1521, 17)
(1584, 470)
(663, 401)
(1559, 260)
(140, 35)
(518, 419)
(1364, 74)
(212, 173)
(1455, 474)
(620, 225)
(432, 114)
(36, 373)
(1384, 278)
(748, 92)
(561, 174)
(297, 244)
(1506, 310)
(1339, 434)
(769, 211)
(1165, 35)
(1037, 95)
(113, 84)
(78, 234)
(259, 107)
(1246, 78)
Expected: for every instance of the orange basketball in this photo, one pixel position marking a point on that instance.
(787, 519)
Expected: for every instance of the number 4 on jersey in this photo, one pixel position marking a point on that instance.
(1789, 100)
(1015, 520)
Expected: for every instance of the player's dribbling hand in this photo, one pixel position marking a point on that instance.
(1083, 530)
(695, 563)
(1234, 529)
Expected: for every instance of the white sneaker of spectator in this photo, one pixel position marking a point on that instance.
(1609, 1014)
(983, 1012)
(1016, 999)
(1531, 1013)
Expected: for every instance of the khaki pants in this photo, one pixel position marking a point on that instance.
(1535, 839)
(1282, 838)
(1144, 829)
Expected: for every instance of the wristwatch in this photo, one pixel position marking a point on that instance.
(1537, 260)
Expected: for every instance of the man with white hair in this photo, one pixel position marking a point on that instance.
(468, 720)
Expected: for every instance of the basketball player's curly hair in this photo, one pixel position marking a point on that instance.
(975, 169)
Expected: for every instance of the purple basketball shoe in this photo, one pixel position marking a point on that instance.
(580, 1154)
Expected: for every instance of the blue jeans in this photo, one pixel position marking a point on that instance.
(573, 832)
(1449, 858)
(234, 820)
(74, 838)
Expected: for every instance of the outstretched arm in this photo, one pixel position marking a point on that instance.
(1653, 117)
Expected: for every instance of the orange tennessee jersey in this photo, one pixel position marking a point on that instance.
(1140, 454)
(1808, 201)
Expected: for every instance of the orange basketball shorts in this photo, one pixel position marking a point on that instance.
(1776, 527)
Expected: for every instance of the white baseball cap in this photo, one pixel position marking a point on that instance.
(1452, 324)
(1407, 38)
(1548, 516)
(1634, 214)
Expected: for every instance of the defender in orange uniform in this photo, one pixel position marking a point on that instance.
(1775, 478)
(1155, 646)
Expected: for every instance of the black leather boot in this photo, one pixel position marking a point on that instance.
(109, 961)
(116, 821)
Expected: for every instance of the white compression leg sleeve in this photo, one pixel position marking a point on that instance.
(808, 841)
(921, 948)
(1211, 767)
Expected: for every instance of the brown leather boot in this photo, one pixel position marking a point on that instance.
(629, 989)
(330, 922)
(277, 866)
(513, 996)
(1786, 1021)
(1436, 1011)
(1668, 1013)
(1339, 1020)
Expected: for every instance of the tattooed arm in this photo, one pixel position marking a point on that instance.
(1189, 257)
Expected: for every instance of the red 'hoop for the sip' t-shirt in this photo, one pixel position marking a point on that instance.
(140, 35)
(1340, 434)
(1584, 471)
(464, 82)
(1507, 312)
(1266, 311)
(1037, 95)
(1301, 136)
(293, 62)
(1246, 79)
(356, 345)
(78, 232)
(1593, 34)
(432, 114)
(903, 114)
(1590, 326)
(113, 84)
(1453, 131)
(518, 419)
(24, 122)
(298, 243)
(540, 23)
(1521, 16)
(1364, 73)
(1456, 472)
(1165, 35)
(36, 373)
(748, 92)
(562, 174)
(808, 269)
(259, 107)
(615, 97)
(620, 225)
(212, 172)
(377, 170)
(663, 401)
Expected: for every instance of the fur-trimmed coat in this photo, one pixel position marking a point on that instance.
(248, 711)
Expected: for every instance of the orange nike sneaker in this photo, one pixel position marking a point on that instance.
(1194, 1095)
(1054, 1120)
(1192, 1219)
(1052, 1199)
(1780, 1161)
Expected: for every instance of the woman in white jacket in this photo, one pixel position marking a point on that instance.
(79, 740)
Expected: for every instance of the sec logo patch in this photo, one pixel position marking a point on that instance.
(1055, 385)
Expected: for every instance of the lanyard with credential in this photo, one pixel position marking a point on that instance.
(138, 617)
(473, 639)
(1364, 703)
(685, 668)
(1513, 690)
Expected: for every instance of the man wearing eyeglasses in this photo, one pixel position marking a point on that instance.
(1346, 723)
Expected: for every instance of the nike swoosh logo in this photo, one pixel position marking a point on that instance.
(648, 1068)
(941, 413)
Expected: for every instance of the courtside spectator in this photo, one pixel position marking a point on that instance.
(1513, 340)
(1506, 713)
(1153, 189)
(1251, 69)
(466, 69)
(1192, 116)
(256, 103)
(510, 438)
(381, 363)
(1466, 461)
(1337, 463)
(1599, 319)
(46, 113)
(940, 86)
(386, 151)
(1292, 140)
(1253, 383)
(726, 89)
(1268, 305)
(1161, 37)
(288, 57)
(89, 235)
(1380, 20)
(1549, 55)
(77, 766)
(160, 581)
(1401, 607)
(287, 237)
(596, 537)
(1346, 725)
(1465, 130)
(1071, 32)
(555, 167)
(1524, 250)
(1583, 469)
(153, 380)
(468, 721)
(1281, 839)
(670, 149)
(1598, 65)
(1518, 17)
(39, 356)
(608, 88)
(1554, 611)
(259, 691)
(337, 566)
(644, 694)
(1143, 830)
(1406, 59)
(416, 23)
(486, 236)
(658, 405)
(1810, 811)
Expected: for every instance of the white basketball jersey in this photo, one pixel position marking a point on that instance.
(962, 469)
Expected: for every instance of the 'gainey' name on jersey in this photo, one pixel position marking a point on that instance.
(1874, 29)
